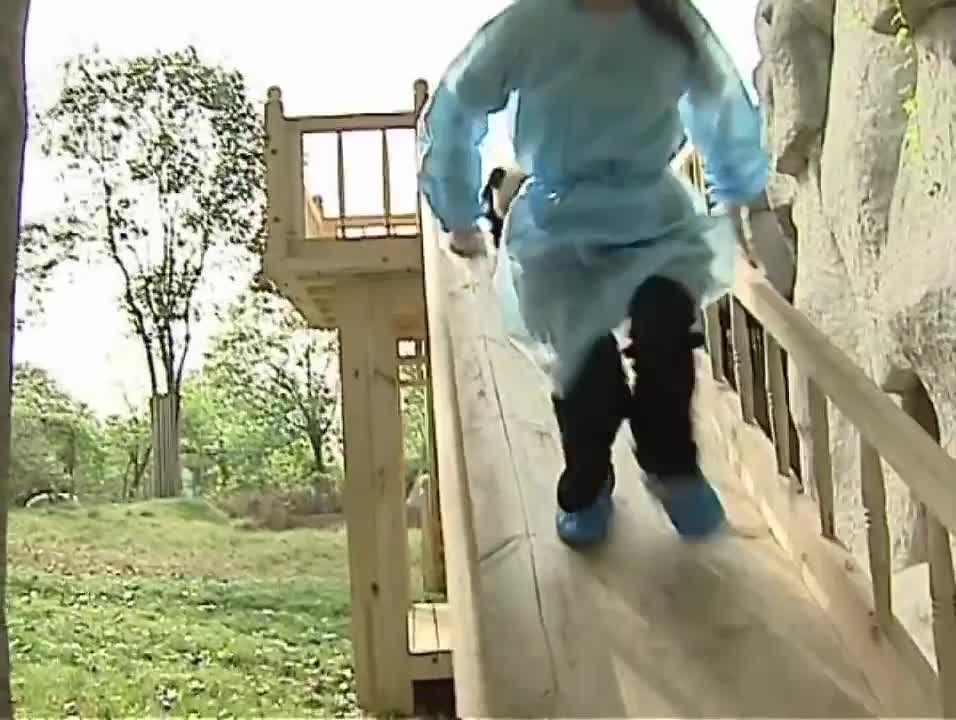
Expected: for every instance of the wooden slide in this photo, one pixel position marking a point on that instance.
(782, 622)
(645, 626)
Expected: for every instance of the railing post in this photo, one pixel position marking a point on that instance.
(942, 583)
(779, 410)
(715, 341)
(278, 166)
(420, 90)
(743, 359)
(873, 487)
(817, 462)
(942, 592)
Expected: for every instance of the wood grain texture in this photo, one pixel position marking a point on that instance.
(647, 625)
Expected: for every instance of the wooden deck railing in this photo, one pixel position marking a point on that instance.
(301, 213)
(887, 433)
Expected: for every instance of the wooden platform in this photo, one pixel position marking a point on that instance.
(646, 626)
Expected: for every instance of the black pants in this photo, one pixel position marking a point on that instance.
(657, 407)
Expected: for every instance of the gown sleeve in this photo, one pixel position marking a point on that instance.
(454, 123)
(725, 125)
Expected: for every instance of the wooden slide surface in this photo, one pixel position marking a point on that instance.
(645, 626)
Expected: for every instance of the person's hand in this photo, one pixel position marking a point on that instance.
(468, 242)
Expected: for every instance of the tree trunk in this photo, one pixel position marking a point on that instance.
(166, 477)
(138, 466)
(13, 125)
(316, 437)
(124, 493)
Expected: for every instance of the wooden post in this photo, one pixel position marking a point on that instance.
(743, 359)
(934, 541)
(433, 546)
(375, 497)
(435, 581)
(873, 487)
(278, 168)
(435, 561)
(818, 463)
(779, 409)
(715, 341)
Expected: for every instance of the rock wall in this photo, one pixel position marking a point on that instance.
(862, 127)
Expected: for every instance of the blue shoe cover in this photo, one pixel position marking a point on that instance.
(586, 527)
(691, 503)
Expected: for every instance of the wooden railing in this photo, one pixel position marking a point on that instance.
(827, 376)
(299, 212)
(355, 227)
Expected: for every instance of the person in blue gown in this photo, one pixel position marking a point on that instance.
(604, 231)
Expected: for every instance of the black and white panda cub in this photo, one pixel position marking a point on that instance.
(500, 189)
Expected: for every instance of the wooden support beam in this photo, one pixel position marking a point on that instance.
(433, 540)
(375, 498)
(357, 257)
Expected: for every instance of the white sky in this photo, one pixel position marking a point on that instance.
(361, 56)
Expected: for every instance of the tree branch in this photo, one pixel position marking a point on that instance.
(139, 320)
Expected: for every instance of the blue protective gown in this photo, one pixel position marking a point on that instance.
(603, 102)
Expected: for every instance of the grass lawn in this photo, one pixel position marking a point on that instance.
(166, 608)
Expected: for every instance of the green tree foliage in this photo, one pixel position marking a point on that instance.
(231, 447)
(162, 165)
(162, 158)
(270, 389)
(56, 440)
(128, 448)
(253, 417)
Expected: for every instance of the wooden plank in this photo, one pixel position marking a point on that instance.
(430, 666)
(443, 626)
(358, 257)
(645, 626)
(429, 642)
(429, 628)
(374, 498)
(461, 548)
(354, 122)
(433, 566)
(406, 291)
